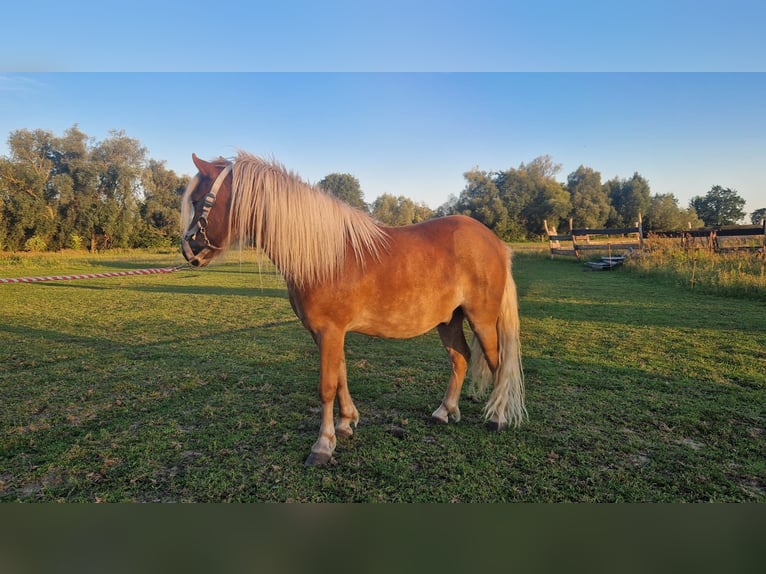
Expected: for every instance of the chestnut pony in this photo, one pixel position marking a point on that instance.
(347, 273)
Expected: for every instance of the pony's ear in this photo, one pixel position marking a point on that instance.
(205, 168)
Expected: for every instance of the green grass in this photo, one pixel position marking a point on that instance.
(201, 386)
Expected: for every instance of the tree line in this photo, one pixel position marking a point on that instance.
(517, 203)
(70, 191)
(73, 192)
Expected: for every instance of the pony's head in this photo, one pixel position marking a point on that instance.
(205, 212)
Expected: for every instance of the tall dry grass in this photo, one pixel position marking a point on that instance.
(736, 274)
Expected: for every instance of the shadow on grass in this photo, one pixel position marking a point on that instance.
(210, 290)
(213, 290)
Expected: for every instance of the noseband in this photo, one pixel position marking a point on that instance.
(200, 226)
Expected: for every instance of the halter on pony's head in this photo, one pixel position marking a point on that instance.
(195, 242)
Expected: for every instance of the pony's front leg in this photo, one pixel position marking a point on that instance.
(331, 366)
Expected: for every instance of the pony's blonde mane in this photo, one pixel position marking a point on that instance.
(305, 231)
(187, 211)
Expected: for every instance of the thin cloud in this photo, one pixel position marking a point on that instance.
(13, 83)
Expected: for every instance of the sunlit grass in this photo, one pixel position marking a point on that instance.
(200, 385)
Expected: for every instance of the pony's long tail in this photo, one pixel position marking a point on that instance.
(506, 403)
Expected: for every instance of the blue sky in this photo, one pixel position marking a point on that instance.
(396, 93)
(383, 35)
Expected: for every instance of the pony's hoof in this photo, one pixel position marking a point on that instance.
(344, 432)
(318, 459)
(440, 415)
(496, 426)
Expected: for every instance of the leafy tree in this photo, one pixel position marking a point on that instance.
(590, 202)
(3, 228)
(532, 195)
(449, 207)
(629, 198)
(72, 176)
(385, 209)
(345, 187)
(422, 212)
(720, 206)
(552, 204)
(664, 214)
(162, 190)
(481, 200)
(758, 216)
(114, 209)
(399, 210)
(29, 203)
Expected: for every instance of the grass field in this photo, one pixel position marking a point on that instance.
(201, 386)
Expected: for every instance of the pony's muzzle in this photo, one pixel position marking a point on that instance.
(190, 254)
(187, 250)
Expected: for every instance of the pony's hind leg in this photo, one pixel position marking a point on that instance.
(485, 366)
(453, 338)
(497, 350)
(348, 413)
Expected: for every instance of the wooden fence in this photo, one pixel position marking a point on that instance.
(579, 241)
(628, 239)
(720, 239)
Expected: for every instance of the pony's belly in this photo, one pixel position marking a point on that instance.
(392, 332)
(400, 326)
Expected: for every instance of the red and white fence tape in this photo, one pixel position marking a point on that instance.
(89, 275)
